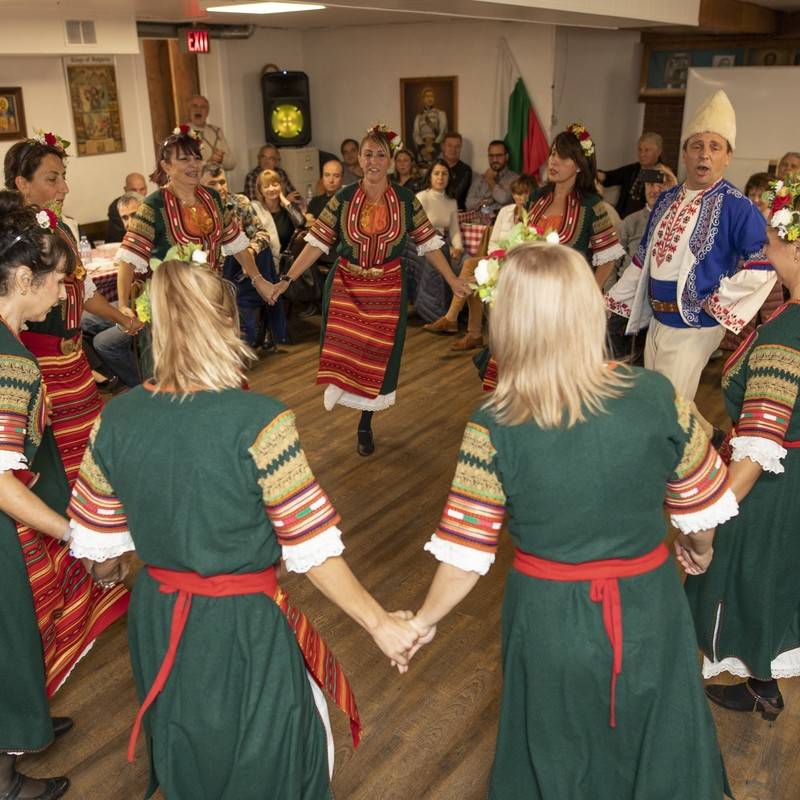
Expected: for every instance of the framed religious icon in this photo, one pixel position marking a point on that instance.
(12, 114)
(92, 84)
(665, 70)
(428, 110)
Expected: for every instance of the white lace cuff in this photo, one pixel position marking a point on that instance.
(607, 254)
(86, 543)
(763, 451)
(11, 460)
(434, 243)
(466, 558)
(314, 242)
(236, 246)
(724, 509)
(313, 552)
(89, 288)
(139, 264)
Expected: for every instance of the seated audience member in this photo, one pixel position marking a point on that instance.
(428, 290)
(628, 178)
(134, 184)
(213, 146)
(788, 165)
(269, 157)
(112, 346)
(352, 171)
(274, 209)
(491, 190)
(508, 216)
(631, 230)
(331, 179)
(405, 170)
(754, 189)
(460, 173)
(252, 308)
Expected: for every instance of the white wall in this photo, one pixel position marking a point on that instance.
(94, 180)
(597, 84)
(230, 78)
(351, 91)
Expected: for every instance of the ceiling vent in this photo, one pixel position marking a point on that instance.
(80, 31)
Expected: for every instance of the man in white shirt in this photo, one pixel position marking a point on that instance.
(213, 146)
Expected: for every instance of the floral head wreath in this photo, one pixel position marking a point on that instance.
(45, 219)
(395, 142)
(487, 272)
(782, 196)
(582, 135)
(184, 130)
(49, 138)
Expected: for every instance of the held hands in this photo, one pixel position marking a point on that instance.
(693, 563)
(395, 636)
(460, 288)
(134, 324)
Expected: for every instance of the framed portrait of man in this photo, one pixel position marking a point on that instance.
(12, 114)
(428, 110)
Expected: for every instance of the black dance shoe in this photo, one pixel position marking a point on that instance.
(61, 725)
(742, 697)
(366, 443)
(53, 788)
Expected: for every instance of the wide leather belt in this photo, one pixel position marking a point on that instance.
(660, 305)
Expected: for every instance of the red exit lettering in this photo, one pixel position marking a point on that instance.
(197, 41)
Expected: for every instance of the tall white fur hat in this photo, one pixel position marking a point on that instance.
(716, 115)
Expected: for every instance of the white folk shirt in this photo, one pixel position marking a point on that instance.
(669, 248)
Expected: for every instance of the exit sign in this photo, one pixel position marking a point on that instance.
(196, 40)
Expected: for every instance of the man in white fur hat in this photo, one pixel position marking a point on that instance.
(700, 267)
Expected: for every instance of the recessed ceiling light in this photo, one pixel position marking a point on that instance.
(265, 8)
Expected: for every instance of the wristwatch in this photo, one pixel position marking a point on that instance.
(285, 278)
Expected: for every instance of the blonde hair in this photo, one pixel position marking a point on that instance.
(548, 334)
(196, 342)
(265, 177)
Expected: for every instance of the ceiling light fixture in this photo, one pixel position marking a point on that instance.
(264, 8)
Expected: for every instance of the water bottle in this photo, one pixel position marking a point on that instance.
(85, 250)
(309, 194)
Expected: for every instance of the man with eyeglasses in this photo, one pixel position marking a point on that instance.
(491, 190)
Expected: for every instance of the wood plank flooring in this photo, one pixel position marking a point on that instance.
(429, 735)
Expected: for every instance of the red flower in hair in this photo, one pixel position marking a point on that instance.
(583, 135)
(497, 254)
(51, 215)
(184, 129)
(781, 201)
(50, 139)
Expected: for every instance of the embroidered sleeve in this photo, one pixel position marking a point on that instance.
(620, 297)
(325, 229)
(137, 244)
(698, 495)
(473, 514)
(22, 410)
(604, 241)
(421, 231)
(97, 518)
(770, 396)
(303, 517)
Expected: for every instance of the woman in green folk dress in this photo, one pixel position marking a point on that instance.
(221, 491)
(747, 606)
(34, 263)
(602, 696)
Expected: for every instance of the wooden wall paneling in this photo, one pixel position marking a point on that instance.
(185, 79)
(159, 88)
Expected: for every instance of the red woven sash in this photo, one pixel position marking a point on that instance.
(362, 319)
(490, 376)
(321, 663)
(603, 589)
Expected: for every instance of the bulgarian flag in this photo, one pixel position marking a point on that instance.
(527, 144)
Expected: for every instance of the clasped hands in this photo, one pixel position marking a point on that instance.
(399, 635)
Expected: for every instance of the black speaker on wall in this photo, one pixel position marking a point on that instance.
(287, 108)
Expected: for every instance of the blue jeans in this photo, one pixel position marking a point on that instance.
(113, 346)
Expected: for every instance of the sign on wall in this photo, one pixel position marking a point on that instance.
(92, 85)
(196, 40)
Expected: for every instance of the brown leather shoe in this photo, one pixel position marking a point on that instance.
(468, 343)
(442, 325)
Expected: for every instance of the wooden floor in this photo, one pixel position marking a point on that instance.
(428, 734)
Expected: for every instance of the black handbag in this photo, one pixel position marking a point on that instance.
(305, 289)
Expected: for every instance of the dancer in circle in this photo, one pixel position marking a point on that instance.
(592, 594)
(217, 653)
(34, 263)
(71, 610)
(364, 304)
(747, 606)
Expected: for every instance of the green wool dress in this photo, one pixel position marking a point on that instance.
(746, 608)
(591, 492)
(25, 723)
(199, 484)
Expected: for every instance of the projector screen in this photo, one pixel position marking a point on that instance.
(767, 116)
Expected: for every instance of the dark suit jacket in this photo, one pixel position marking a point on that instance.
(115, 230)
